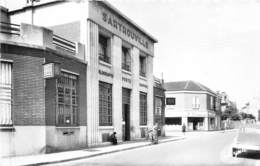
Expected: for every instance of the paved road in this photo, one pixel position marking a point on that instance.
(201, 148)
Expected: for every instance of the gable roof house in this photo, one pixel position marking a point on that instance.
(191, 103)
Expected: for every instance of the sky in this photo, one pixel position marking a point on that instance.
(213, 42)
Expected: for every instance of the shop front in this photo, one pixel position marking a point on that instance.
(195, 123)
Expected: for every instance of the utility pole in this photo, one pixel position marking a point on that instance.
(32, 6)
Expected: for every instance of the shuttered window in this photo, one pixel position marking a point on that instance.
(67, 100)
(195, 102)
(105, 104)
(5, 93)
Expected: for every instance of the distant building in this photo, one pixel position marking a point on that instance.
(224, 101)
(192, 104)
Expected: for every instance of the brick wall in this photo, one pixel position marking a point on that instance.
(73, 66)
(28, 86)
(34, 98)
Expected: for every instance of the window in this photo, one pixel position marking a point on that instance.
(170, 101)
(196, 102)
(211, 102)
(158, 106)
(67, 100)
(158, 110)
(143, 109)
(103, 49)
(142, 60)
(173, 121)
(5, 93)
(126, 59)
(105, 104)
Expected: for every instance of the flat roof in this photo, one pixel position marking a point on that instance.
(104, 2)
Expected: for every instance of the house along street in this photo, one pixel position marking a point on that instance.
(199, 148)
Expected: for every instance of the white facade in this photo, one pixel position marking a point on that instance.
(192, 110)
(83, 21)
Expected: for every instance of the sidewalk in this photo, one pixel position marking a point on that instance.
(78, 154)
(195, 133)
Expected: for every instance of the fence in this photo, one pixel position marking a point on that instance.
(64, 44)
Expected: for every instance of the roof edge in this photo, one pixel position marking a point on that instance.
(105, 2)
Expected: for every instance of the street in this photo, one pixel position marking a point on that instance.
(199, 148)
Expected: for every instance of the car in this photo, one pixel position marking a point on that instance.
(247, 140)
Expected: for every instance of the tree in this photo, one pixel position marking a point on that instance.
(235, 117)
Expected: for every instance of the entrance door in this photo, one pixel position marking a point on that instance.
(126, 114)
(127, 122)
(195, 122)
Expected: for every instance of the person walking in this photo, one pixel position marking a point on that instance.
(183, 128)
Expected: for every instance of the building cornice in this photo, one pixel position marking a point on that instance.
(104, 2)
(191, 92)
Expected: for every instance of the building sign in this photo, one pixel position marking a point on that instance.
(50, 70)
(126, 80)
(194, 114)
(143, 85)
(119, 26)
(101, 72)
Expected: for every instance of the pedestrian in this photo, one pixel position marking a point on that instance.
(183, 128)
(113, 138)
(155, 133)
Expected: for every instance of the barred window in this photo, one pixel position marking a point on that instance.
(143, 108)
(67, 100)
(5, 93)
(105, 104)
(126, 59)
(103, 49)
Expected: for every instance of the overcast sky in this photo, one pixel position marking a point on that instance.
(214, 42)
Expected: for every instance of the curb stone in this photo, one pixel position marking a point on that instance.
(102, 153)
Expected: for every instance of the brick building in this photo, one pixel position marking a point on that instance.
(43, 89)
(118, 77)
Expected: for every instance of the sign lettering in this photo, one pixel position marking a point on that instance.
(105, 73)
(126, 80)
(143, 85)
(115, 23)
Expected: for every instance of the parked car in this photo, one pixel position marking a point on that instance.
(247, 140)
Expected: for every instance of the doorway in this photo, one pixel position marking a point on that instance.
(126, 95)
(195, 123)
